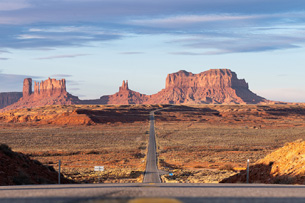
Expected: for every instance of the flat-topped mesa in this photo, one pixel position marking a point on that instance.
(50, 87)
(124, 86)
(216, 78)
(219, 86)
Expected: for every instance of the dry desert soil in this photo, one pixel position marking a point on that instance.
(198, 144)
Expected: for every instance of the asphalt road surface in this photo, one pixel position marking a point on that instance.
(151, 174)
(133, 193)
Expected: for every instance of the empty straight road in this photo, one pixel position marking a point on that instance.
(151, 174)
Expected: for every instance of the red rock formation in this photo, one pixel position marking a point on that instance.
(219, 86)
(50, 87)
(216, 86)
(214, 78)
(124, 86)
(27, 87)
(48, 92)
(124, 96)
(8, 98)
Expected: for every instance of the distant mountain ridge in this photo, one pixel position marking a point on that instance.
(8, 98)
(215, 86)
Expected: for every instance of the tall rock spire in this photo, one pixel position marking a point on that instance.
(124, 86)
(27, 87)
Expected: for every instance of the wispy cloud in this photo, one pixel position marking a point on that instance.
(61, 56)
(3, 59)
(49, 37)
(184, 20)
(131, 52)
(186, 53)
(75, 89)
(61, 76)
(26, 36)
(178, 21)
(4, 52)
(13, 82)
(76, 23)
(13, 5)
(243, 42)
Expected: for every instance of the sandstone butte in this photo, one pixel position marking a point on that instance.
(283, 166)
(215, 86)
(48, 92)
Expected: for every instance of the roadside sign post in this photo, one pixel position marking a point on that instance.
(59, 164)
(248, 163)
(99, 169)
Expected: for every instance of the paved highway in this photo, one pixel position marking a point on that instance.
(151, 174)
(217, 193)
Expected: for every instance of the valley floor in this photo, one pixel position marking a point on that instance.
(198, 144)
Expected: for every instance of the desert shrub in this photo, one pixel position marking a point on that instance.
(135, 174)
(227, 167)
(139, 155)
(142, 147)
(93, 152)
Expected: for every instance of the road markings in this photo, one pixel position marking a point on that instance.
(154, 200)
(150, 185)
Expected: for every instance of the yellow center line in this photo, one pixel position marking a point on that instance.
(154, 200)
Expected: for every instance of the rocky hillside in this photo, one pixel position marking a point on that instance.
(283, 166)
(19, 169)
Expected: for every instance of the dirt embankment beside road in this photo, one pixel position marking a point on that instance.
(283, 166)
(19, 169)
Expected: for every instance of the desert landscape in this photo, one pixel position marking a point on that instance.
(131, 101)
(82, 137)
(207, 143)
(197, 143)
(207, 126)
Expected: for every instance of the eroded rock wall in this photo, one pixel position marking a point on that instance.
(8, 98)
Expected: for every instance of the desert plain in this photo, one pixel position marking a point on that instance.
(196, 143)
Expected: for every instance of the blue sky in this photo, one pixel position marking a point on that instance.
(95, 44)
